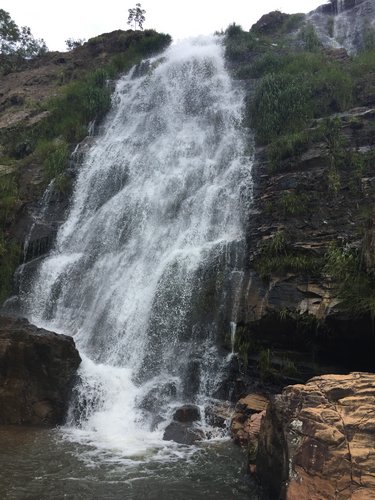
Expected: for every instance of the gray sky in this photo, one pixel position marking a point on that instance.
(59, 20)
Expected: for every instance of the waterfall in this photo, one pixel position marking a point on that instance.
(348, 26)
(142, 269)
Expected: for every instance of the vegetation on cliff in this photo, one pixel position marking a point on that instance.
(310, 108)
(76, 96)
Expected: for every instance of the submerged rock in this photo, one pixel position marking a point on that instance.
(183, 433)
(37, 369)
(317, 440)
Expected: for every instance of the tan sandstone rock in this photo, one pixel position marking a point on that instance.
(317, 440)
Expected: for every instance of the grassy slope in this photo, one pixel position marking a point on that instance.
(39, 129)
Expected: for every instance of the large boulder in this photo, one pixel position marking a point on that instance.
(37, 370)
(183, 429)
(317, 440)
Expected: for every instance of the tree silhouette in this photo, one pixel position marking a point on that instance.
(136, 16)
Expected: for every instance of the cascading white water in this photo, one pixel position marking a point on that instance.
(348, 26)
(154, 232)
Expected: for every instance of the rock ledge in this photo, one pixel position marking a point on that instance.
(317, 440)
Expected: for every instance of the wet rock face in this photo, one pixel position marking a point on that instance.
(317, 440)
(37, 369)
(187, 413)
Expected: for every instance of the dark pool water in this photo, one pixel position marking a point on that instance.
(41, 464)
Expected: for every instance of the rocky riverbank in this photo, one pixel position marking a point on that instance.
(315, 440)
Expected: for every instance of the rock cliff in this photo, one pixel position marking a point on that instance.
(316, 440)
(313, 198)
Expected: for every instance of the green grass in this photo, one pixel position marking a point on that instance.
(292, 204)
(278, 257)
(288, 98)
(9, 198)
(355, 285)
(9, 259)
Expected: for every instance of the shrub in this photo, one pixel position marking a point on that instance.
(293, 203)
(281, 105)
(9, 197)
(289, 146)
(277, 256)
(355, 286)
(238, 43)
(310, 38)
(54, 155)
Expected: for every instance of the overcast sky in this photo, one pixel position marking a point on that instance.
(55, 21)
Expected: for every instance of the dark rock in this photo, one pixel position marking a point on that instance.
(187, 413)
(183, 433)
(37, 370)
(158, 396)
(192, 379)
(269, 23)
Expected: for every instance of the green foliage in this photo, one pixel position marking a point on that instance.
(54, 156)
(234, 30)
(9, 259)
(330, 26)
(73, 43)
(280, 105)
(288, 367)
(310, 38)
(9, 33)
(9, 197)
(266, 371)
(293, 203)
(276, 245)
(16, 43)
(289, 146)
(355, 286)
(277, 256)
(137, 16)
(368, 38)
(289, 263)
(80, 103)
(292, 23)
(238, 42)
(83, 101)
(297, 90)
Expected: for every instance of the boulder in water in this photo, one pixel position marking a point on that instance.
(187, 413)
(37, 369)
(183, 433)
(182, 428)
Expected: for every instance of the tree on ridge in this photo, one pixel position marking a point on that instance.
(137, 16)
